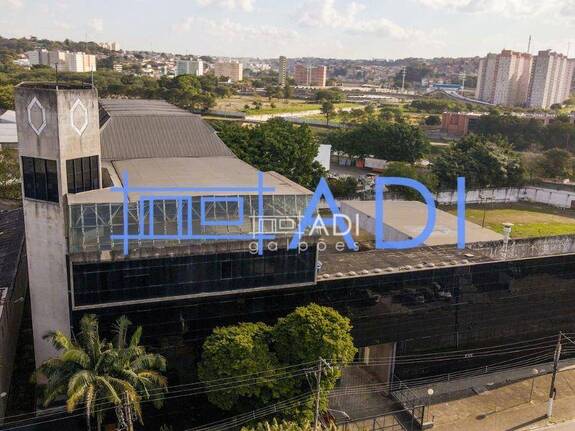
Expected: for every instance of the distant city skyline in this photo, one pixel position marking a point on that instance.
(302, 28)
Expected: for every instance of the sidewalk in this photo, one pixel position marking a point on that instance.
(507, 408)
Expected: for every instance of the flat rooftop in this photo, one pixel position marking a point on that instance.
(410, 217)
(364, 263)
(186, 172)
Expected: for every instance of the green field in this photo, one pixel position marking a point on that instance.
(238, 103)
(528, 220)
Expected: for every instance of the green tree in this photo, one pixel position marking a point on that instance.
(276, 145)
(433, 120)
(405, 170)
(327, 109)
(240, 350)
(284, 425)
(274, 425)
(343, 187)
(287, 92)
(310, 333)
(90, 370)
(555, 163)
(6, 97)
(484, 162)
(9, 175)
(336, 95)
(302, 337)
(382, 140)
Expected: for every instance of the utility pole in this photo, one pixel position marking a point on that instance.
(403, 73)
(318, 395)
(555, 366)
(529, 45)
(56, 66)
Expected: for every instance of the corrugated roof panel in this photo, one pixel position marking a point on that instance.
(151, 128)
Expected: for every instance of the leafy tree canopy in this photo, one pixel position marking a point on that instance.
(484, 162)
(276, 145)
(383, 140)
(277, 354)
(405, 170)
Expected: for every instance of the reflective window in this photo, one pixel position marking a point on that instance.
(40, 179)
(83, 174)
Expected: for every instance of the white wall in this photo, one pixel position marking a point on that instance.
(556, 198)
(324, 155)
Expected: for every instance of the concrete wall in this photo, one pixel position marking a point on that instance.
(324, 156)
(68, 133)
(556, 198)
(527, 247)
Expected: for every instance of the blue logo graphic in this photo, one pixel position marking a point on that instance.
(309, 216)
(149, 195)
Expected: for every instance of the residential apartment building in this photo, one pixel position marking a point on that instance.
(232, 70)
(551, 79)
(282, 71)
(310, 76)
(503, 79)
(112, 46)
(66, 61)
(190, 67)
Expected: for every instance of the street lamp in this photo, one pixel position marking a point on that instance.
(430, 393)
(534, 372)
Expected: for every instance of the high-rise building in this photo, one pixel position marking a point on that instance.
(232, 70)
(503, 79)
(301, 76)
(282, 72)
(66, 61)
(310, 76)
(112, 46)
(318, 76)
(551, 79)
(190, 67)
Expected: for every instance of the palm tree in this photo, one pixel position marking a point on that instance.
(98, 374)
(141, 370)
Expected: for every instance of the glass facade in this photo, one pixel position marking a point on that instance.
(130, 280)
(92, 225)
(440, 308)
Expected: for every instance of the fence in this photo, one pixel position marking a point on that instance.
(543, 195)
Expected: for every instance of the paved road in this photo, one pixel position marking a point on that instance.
(567, 426)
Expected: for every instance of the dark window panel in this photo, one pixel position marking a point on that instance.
(52, 180)
(40, 179)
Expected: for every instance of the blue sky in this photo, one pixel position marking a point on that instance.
(323, 28)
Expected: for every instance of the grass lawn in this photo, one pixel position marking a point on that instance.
(238, 103)
(528, 219)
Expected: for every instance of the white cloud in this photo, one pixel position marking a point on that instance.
(236, 31)
(11, 4)
(325, 14)
(245, 5)
(96, 24)
(511, 8)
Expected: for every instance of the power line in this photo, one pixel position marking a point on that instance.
(228, 383)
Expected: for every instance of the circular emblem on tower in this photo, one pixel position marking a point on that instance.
(79, 117)
(36, 116)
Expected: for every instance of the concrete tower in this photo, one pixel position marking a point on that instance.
(59, 144)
